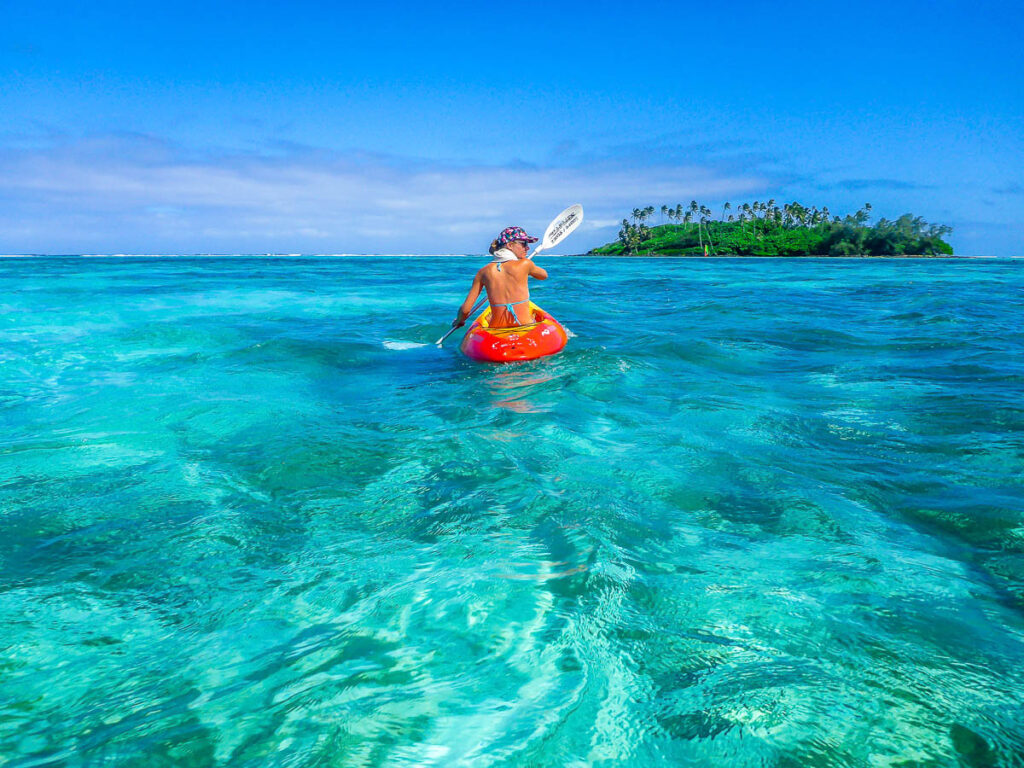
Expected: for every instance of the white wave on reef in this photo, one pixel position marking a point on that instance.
(403, 344)
(246, 255)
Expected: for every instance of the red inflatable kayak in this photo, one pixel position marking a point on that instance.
(544, 336)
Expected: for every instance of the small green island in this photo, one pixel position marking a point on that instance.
(765, 229)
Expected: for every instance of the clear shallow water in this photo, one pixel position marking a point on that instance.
(776, 519)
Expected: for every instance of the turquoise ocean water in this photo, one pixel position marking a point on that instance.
(757, 513)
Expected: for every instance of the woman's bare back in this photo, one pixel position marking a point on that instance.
(508, 291)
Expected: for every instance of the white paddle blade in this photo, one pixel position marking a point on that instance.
(560, 228)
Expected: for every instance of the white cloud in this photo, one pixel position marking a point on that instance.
(139, 194)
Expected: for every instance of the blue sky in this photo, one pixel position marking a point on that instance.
(426, 128)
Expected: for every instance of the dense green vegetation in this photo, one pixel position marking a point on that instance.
(765, 229)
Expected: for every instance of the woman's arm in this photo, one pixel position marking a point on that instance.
(538, 272)
(467, 305)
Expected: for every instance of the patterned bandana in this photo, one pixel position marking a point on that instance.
(514, 234)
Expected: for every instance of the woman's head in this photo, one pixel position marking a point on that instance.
(512, 235)
(515, 239)
(518, 247)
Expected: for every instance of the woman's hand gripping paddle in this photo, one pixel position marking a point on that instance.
(559, 229)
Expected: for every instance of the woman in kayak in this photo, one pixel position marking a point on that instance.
(505, 280)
